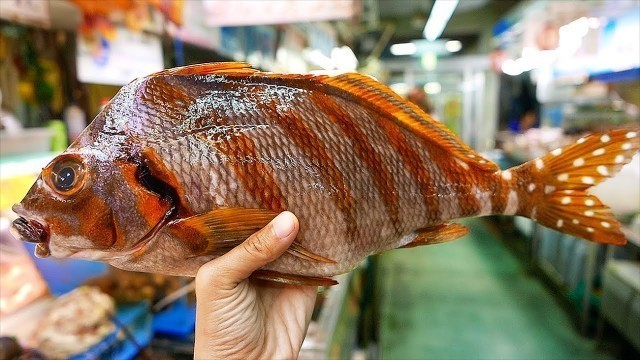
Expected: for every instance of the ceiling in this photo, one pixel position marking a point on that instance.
(408, 18)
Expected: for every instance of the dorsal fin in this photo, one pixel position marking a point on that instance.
(223, 68)
(367, 91)
(408, 115)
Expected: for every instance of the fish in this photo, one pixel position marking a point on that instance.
(185, 164)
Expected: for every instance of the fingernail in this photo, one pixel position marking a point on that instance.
(283, 224)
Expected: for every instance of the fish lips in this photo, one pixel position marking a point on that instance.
(32, 231)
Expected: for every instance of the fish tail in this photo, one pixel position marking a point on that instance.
(554, 187)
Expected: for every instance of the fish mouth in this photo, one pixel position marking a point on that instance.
(34, 232)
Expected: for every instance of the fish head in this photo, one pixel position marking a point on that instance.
(90, 204)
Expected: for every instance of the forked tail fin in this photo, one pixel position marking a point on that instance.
(557, 184)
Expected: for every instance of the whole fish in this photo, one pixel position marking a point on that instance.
(185, 164)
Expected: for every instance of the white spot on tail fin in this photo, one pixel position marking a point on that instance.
(605, 138)
(602, 170)
(556, 152)
(512, 203)
(548, 189)
(590, 229)
(559, 223)
(589, 202)
(581, 140)
(566, 200)
(605, 224)
(631, 134)
(506, 175)
(589, 213)
(575, 221)
(578, 162)
(619, 159)
(563, 177)
(598, 152)
(531, 187)
(539, 164)
(588, 180)
(626, 146)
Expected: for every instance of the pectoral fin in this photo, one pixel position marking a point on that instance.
(293, 279)
(438, 234)
(222, 229)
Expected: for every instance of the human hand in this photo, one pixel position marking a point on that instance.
(240, 318)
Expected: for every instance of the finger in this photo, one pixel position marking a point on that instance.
(258, 250)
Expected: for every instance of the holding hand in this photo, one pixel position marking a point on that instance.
(237, 317)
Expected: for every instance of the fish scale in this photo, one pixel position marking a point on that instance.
(185, 164)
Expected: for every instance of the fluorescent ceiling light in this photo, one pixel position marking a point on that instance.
(440, 15)
(401, 88)
(316, 57)
(432, 88)
(453, 46)
(403, 49)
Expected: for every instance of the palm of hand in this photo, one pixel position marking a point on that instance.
(241, 318)
(264, 320)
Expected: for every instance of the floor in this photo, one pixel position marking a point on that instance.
(471, 299)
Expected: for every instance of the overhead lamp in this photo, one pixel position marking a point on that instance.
(344, 59)
(439, 17)
(432, 88)
(316, 57)
(453, 46)
(403, 49)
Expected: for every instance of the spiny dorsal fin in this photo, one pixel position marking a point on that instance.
(367, 91)
(223, 68)
(409, 115)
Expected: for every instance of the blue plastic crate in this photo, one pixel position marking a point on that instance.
(64, 275)
(118, 346)
(178, 321)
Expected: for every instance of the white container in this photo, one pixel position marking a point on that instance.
(27, 141)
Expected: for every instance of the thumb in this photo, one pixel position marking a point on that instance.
(258, 250)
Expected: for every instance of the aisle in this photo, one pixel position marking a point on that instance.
(471, 299)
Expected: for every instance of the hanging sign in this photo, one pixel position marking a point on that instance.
(120, 59)
(29, 12)
(259, 12)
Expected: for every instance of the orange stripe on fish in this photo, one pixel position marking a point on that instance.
(366, 90)
(309, 142)
(100, 228)
(256, 176)
(383, 179)
(362, 89)
(414, 164)
(151, 211)
(166, 98)
(457, 197)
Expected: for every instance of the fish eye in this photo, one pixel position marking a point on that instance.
(67, 176)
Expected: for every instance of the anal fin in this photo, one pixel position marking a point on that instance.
(298, 250)
(291, 279)
(438, 234)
